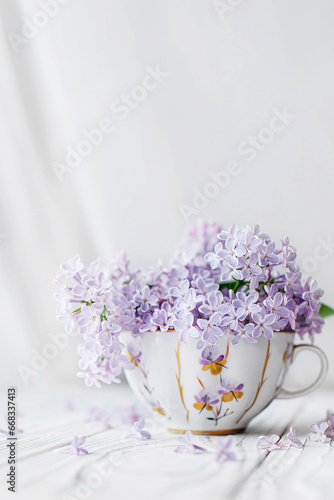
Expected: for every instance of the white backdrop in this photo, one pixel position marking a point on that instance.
(221, 72)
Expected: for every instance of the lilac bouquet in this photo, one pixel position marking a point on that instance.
(235, 281)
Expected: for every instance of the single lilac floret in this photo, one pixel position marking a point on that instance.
(76, 446)
(225, 450)
(269, 444)
(318, 434)
(187, 444)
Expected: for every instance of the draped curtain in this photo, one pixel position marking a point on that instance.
(116, 115)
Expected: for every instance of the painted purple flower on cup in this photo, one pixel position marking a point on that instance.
(212, 360)
(206, 398)
(134, 354)
(318, 434)
(230, 390)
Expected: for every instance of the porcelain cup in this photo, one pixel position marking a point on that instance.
(213, 391)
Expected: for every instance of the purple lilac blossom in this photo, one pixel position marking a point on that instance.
(262, 323)
(146, 299)
(210, 355)
(246, 304)
(245, 332)
(235, 282)
(207, 397)
(210, 328)
(312, 293)
(135, 353)
(229, 386)
(185, 326)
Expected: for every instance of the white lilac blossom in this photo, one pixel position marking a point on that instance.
(291, 441)
(187, 444)
(319, 433)
(269, 444)
(138, 430)
(235, 282)
(225, 450)
(275, 443)
(323, 432)
(75, 446)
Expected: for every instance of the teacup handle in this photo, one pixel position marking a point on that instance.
(284, 394)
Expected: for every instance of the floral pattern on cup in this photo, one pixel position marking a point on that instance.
(206, 398)
(211, 360)
(134, 354)
(156, 406)
(230, 390)
(215, 390)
